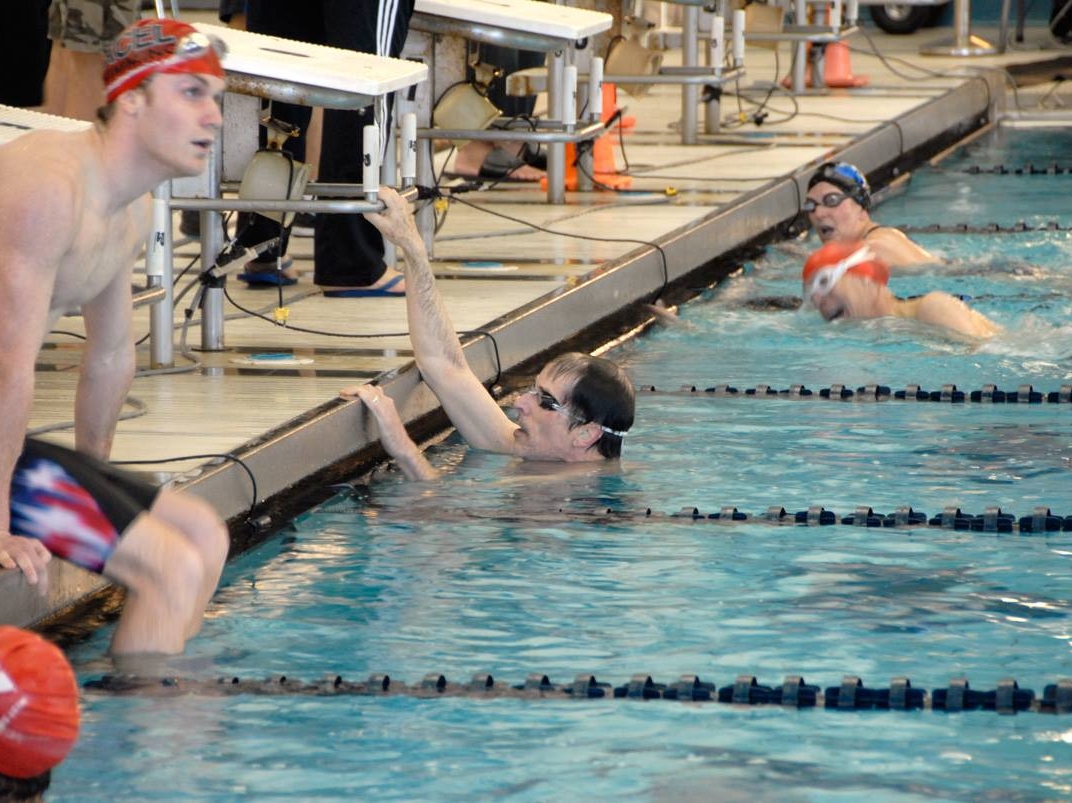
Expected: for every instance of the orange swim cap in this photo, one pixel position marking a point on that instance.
(826, 266)
(155, 45)
(38, 704)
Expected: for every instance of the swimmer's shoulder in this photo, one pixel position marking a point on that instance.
(45, 162)
(942, 309)
(45, 176)
(897, 249)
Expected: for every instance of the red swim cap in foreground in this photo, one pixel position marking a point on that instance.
(38, 704)
(156, 45)
(826, 266)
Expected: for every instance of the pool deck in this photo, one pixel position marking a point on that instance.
(537, 291)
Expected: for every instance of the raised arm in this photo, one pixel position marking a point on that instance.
(107, 367)
(436, 347)
(35, 231)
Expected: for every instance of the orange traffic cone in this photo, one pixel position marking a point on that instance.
(837, 71)
(604, 170)
(610, 101)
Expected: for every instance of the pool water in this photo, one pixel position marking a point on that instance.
(506, 569)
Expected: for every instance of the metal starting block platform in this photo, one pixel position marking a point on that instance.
(15, 122)
(259, 67)
(439, 34)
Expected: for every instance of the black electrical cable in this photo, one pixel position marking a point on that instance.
(233, 458)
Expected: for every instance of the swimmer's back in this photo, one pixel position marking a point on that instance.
(941, 309)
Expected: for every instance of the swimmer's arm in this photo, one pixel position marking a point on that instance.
(107, 367)
(36, 225)
(942, 309)
(36, 214)
(436, 347)
(894, 248)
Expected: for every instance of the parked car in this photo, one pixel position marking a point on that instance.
(906, 17)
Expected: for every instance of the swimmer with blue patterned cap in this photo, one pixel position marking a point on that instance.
(848, 280)
(838, 207)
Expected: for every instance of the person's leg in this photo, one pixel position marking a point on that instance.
(169, 560)
(503, 160)
(293, 21)
(80, 29)
(510, 60)
(348, 250)
(199, 524)
(165, 549)
(163, 576)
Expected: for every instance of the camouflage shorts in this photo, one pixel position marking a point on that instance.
(87, 25)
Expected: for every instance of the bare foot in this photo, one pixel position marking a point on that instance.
(665, 315)
(473, 156)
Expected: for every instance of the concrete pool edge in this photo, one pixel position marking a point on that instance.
(330, 442)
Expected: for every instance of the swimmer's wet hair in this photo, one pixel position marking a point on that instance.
(599, 392)
(845, 177)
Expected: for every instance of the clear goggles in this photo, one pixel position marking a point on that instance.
(830, 201)
(828, 276)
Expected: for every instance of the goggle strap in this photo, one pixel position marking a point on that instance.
(840, 268)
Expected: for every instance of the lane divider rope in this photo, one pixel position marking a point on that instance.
(988, 394)
(1018, 227)
(794, 692)
(991, 520)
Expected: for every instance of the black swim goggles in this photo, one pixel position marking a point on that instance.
(548, 402)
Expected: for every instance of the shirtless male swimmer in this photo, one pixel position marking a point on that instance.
(74, 214)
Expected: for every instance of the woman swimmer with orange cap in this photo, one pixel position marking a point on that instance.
(847, 280)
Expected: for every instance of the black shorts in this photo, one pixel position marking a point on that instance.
(24, 52)
(77, 506)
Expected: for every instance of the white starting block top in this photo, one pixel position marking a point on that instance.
(15, 122)
(272, 63)
(545, 19)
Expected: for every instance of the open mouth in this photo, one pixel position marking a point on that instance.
(826, 232)
(833, 313)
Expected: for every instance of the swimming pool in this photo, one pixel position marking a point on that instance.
(512, 571)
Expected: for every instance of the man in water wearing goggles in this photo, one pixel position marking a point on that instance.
(848, 280)
(578, 410)
(74, 214)
(838, 204)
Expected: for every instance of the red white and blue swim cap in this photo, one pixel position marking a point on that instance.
(157, 45)
(826, 266)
